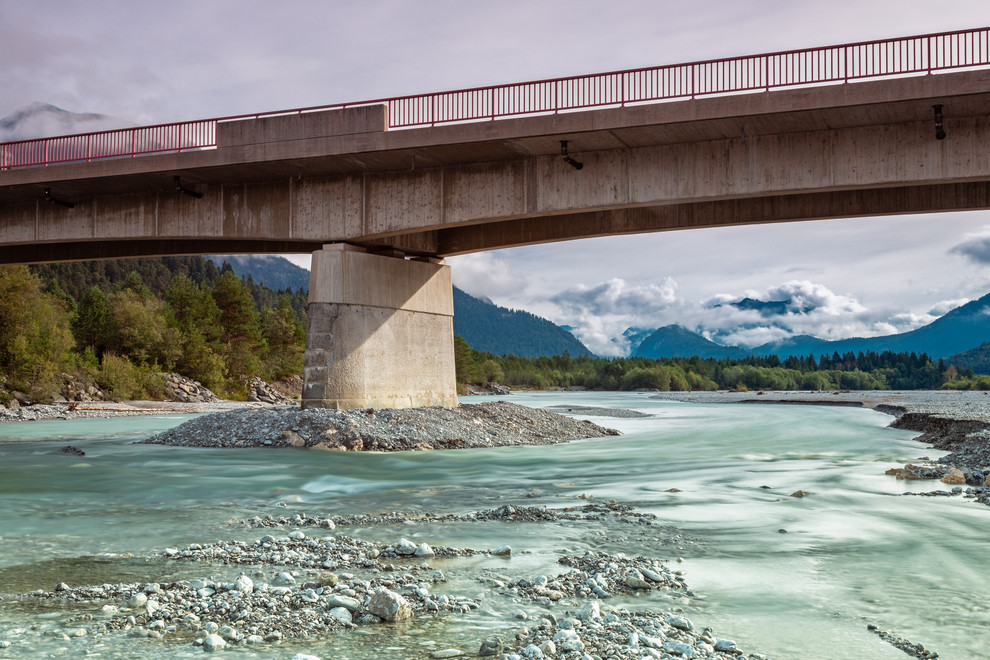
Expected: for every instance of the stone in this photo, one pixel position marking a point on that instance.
(424, 550)
(532, 652)
(294, 439)
(679, 648)
(244, 584)
(284, 579)
(389, 606)
(297, 535)
(341, 614)
(568, 640)
(213, 642)
(405, 547)
(339, 600)
(954, 476)
(327, 579)
(137, 600)
(447, 653)
(679, 622)
(502, 551)
(725, 646)
(491, 646)
(636, 582)
(800, 493)
(591, 611)
(304, 656)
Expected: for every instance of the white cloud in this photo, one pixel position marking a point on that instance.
(484, 274)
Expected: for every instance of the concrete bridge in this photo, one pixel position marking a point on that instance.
(890, 127)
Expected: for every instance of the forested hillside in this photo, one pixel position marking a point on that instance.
(120, 324)
(488, 327)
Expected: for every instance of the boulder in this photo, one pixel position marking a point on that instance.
(389, 606)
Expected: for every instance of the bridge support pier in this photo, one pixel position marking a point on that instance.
(380, 332)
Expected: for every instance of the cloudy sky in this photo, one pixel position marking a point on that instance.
(145, 62)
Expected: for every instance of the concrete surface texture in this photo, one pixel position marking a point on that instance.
(380, 332)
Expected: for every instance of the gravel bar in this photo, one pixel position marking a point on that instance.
(489, 424)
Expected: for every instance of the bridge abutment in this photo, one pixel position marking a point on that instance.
(380, 331)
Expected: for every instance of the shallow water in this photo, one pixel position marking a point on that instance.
(788, 577)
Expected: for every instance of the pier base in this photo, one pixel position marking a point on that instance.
(380, 332)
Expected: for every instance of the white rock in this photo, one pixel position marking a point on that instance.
(304, 656)
(284, 579)
(725, 645)
(651, 575)
(502, 551)
(338, 600)
(297, 535)
(678, 648)
(533, 652)
(213, 642)
(679, 622)
(447, 653)
(389, 606)
(341, 614)
(137, 600)
(424, 550)
(244, 584)
(568, 640)
(405, 547)
(590, 612)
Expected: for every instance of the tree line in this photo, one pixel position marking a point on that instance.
(850, 371)
(120, 324)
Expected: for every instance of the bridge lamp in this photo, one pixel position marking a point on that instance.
(57, 202)
(567, 159)
(186, 191)
(939, 129)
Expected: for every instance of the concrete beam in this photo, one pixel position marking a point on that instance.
(380, 332)
(780, 208)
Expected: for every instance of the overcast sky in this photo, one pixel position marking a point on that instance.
(146, 62)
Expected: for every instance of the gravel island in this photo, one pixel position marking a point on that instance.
(489, 424)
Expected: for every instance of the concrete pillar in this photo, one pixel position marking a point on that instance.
(380, 332)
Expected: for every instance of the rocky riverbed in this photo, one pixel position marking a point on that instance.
(303, 583)
(489, 424)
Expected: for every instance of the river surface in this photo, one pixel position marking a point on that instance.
(783, 576)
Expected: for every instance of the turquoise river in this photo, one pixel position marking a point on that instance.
(794, 578)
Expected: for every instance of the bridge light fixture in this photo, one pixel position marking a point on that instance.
(567, 159)
(939, 129)
(186, 191)
(57, 202)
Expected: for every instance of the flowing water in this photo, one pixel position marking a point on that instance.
(784, 576)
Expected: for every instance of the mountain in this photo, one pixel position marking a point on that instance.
(677, 341)
(635, 337)
(273, 271)
(44, 119)
(957, 331)
(488, 327)
(977, 359)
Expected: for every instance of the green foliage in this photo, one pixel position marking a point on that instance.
(35, 340)
(284, 338)
(124, 380)
(240, 334)
(137, 317)
(863, 371)
(91, 322)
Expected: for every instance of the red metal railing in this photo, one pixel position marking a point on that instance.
(830, 64)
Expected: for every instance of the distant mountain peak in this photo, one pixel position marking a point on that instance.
(39, 119)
